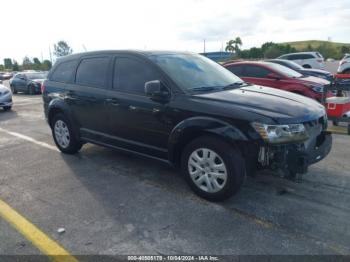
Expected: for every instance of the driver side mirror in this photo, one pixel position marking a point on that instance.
(157, 91)
(274, 76)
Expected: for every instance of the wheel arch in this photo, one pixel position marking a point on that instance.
(191, 128)
(57, 106)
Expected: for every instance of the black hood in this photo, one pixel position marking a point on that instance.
(281, 106)
(315, 71)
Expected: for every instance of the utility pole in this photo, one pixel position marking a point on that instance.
(204, 47)
(50, 54)
(84, 48)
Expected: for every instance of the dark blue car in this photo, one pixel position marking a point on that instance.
(304, 71)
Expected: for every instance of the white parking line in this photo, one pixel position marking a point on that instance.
(29, 139)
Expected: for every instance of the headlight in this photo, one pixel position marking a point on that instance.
(281, 133)
(317, 89)
(6, 92)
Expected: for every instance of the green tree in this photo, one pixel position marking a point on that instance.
(15, 66)
(2, 67)
(27, 63)
(46, 65)
(273, 52)
(62, 49)
(37, 64)
(344, 49)
(8, 63)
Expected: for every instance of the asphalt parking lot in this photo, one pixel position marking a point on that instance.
(112, 203)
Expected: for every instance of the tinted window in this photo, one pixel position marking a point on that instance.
(255, 71)
(237, 70)
(194, 72)
(63, 72)
(130, 75)
(36, 76)
(283, 70)
(93, 72)
(293, 57)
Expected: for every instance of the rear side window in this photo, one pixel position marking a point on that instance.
(255, 71)
(237, 70)
(130, 75)
(93, 72)
(64, 72)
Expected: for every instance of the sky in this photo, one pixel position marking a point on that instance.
(31, 28)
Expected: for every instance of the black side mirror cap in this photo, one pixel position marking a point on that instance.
(156, 90)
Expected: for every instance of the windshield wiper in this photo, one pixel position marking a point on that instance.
(206, 88)
(235, 84)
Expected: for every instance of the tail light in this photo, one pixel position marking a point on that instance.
(42, 88)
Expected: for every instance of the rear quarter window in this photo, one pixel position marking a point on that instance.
(63, 72)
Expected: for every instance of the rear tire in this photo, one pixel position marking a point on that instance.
(31, 90)
(13, 89)
(63, 135)
(213, 169)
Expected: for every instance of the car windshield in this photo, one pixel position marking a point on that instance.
(292, 65)
(284, 70)
(194, 72)
(36, 76)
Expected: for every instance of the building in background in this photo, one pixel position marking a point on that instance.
(218, 56)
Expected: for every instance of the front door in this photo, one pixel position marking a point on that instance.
(136, 121)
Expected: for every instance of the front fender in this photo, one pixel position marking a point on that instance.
(190, 128)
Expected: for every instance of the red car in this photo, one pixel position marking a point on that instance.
(278, 76)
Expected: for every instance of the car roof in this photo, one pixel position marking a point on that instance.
(249, 63)
(298, 53)
(135, 52)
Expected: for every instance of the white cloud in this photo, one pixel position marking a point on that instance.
(32, 26)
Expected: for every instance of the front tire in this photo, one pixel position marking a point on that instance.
(7, 108)
(213, 169)
(64, 136)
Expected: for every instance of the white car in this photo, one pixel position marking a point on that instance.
(306, 59)
(344, 65)
(5, 98)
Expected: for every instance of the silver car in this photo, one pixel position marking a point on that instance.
(5, 98)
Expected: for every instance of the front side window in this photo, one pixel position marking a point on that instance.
(193, 72)
(130, 75)
(93, 72)
(63, 72)
(236, 69)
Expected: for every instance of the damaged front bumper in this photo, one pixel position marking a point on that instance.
(296, 158)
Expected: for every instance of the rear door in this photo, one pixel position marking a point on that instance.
(87, 96)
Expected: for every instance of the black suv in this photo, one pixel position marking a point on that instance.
(184, 109)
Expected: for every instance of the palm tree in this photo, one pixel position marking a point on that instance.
(230, 46)
(233, 45)
(238, 43)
